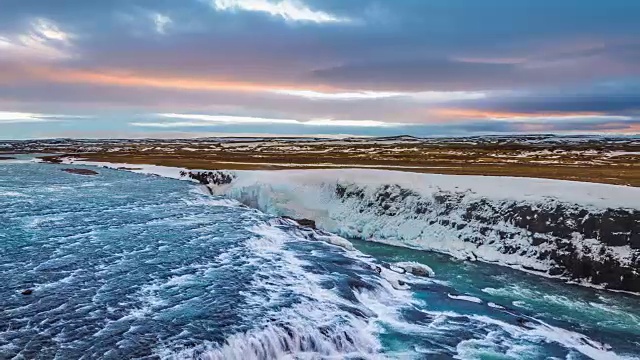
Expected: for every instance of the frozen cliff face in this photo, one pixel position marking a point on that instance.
(551, 237)
(589, 233)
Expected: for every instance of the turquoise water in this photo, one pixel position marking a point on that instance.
(124, 265)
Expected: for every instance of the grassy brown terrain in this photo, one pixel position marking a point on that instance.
(609, 163)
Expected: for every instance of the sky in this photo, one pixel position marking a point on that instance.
(188, 68)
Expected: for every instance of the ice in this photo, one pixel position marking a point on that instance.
(492, 187)
(407, 209)
(416, 268)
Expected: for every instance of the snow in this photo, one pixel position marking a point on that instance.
(413, 267)
(492, 187)
(164, 171)
(624, 153)
(495, 306)
(403, 209)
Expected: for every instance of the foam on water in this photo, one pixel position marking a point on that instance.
(12, 193)
(472, 299)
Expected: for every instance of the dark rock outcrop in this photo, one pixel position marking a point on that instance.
(209, 177)
(303, 222)
(81, 171)
(6, 158)
(51, 159)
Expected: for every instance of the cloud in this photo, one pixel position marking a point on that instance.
(564, 100)
(9, 117)
(290, 10)
(229, 119)
(124, 78)
(164, 134)
(316, 95)
(419, 72)
(196, 120)
(161, 22)
(427, 96)
(519, 62)
(466, 114)
(121, 78)
(595, 126)
(473, 127)
(354, 123)
(177, 124)
(43, 40)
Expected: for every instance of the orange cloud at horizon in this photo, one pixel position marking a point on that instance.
(128, 79)
(603, 128)
(630, 128)
(495, 114)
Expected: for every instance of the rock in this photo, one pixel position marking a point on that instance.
(397, 269)
(556, 271)
(209, 177)
(420, 272)
(359, 284)
(307, 223)
(7, 158)
(337, 241)
(81, 171)
(51, 159)
(416, 269)
(303, 222)
(634, 241)
(394, 279)
(27, 292)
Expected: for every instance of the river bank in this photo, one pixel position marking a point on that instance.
(597, 159)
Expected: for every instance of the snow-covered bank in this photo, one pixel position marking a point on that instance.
(585, 232)
(164, 171)
(588, 233)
